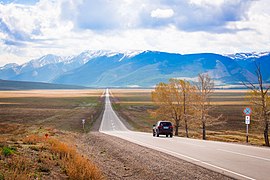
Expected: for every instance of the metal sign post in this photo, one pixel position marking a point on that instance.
(247, 111)
(247, 123)
(83, 122)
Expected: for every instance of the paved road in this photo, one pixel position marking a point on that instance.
(234, 160)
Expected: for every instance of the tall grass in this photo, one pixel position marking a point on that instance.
(33, 139)
(76, 166)
(21, 166)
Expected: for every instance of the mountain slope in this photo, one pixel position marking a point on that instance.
(150, 67)
(138, 68)
(23, 85)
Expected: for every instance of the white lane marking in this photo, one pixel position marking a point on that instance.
(247, 155)
(113, 126)
(178, 154)
(117, 120)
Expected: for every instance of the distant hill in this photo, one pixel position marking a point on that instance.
(23, 85)
(137, 68)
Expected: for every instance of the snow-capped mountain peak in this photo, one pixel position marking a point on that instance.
(143, 68)
(90, 54)
(243, 56)
(10, 65)
(43, 61)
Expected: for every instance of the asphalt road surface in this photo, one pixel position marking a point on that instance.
(234, 160)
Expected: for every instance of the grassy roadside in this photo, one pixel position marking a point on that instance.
(38, 157)
(25, 118)
(135, 106)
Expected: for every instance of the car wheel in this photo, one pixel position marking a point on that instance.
(167, 135)
(171, 135)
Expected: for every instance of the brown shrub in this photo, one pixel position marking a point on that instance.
(81, 168)
(19, 167)
(32, 139)
(61, 149)
(76, 166)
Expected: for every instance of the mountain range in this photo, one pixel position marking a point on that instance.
(137, 68)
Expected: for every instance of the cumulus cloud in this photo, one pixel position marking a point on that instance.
(70, 26)
(205, 15)
(93, 14)
(30, 2)
(162, 13)
(186, 15)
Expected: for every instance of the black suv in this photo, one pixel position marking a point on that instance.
(163, 128)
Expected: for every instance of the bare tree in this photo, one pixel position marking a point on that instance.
(205, 87)
(169, 103)
(260, 101)
(186, 93)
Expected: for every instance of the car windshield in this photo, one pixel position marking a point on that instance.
(165, 124)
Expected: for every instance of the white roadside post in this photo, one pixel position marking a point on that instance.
(247, 111)
(83, 122)
(247, 123)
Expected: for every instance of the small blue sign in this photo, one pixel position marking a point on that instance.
(247, 111)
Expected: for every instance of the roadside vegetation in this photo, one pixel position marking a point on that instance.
(259, 99)
(136, 106)
(181, 101)
(36, 157)
(27, 116)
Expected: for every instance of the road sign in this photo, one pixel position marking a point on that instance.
(247, 111)
(247, 119)
(83, 122)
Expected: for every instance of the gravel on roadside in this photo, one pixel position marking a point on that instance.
(120, 159)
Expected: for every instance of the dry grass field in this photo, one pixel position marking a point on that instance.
(25, 118)
(135, 106)
(61, 109)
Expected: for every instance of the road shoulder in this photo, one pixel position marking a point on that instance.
(120, 159)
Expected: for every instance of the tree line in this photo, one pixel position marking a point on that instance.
(183, 101)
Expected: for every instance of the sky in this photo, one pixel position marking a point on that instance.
(32, 28)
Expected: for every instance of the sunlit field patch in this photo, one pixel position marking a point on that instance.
(51, 93)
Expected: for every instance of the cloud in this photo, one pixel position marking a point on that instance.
(13, 43)
(30, 2)
(90, 14)
(162, 13)
(205, 15)
(186, 15)
(66, 27)
(13, 37)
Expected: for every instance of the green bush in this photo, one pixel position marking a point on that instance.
(6, 151)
